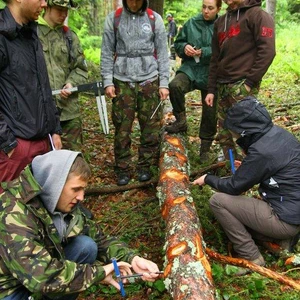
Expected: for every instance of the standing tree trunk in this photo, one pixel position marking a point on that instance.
(117, 4)
(157, 5)
(187, 270)
(271, 8)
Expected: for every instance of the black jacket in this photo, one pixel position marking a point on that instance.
(272, 160)
(27, 109)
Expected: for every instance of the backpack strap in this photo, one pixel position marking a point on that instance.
(151, 18)
(117, 18)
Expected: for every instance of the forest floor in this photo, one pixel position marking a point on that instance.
(134, 215)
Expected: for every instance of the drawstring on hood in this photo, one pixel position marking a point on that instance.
(243, 5)
(250, 119)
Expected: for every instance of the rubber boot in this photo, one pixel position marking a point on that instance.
(179, 125)
(204, 150)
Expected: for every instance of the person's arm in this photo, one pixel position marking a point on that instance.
(7, 140)
(173, 29)
(181, 41)
(108, 51)
(213, 66)
(253, 170)
(264, 35)
(161, 47)
(78, 66)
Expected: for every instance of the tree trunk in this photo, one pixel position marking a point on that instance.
(157, 5)
(187, 270)
(271, 8)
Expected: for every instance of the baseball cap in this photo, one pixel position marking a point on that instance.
(63, 3)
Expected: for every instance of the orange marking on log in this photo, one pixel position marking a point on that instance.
(174, 141)
(180, 157)
(167, 269)
(165, 210)
(174, 175)
(289, 261)
(199, 253)
(179, 200)
(176, 250)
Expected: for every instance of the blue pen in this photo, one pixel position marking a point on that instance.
(118, 275)
(231, 161)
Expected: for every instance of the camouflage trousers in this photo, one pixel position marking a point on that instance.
(229, 94)
(72, 134)
(141, 98)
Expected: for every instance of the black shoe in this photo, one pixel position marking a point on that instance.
(144, 175)
(123, 179)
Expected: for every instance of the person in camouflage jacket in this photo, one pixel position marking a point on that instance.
(48, 245)
(66, 67)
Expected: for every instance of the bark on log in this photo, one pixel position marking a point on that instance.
(187, 271)
(247, 264)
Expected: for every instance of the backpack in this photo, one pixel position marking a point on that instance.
(118, 14)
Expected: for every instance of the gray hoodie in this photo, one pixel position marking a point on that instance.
(51, 171)
(128, 53)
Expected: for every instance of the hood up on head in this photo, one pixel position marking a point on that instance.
(51, 171)
(250, 119)
(142, 10)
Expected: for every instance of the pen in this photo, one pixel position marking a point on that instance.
(231, 161)
(118, 275)
(140, 274)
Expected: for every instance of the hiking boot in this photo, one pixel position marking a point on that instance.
(179, 125)
(243, 271)
(289, 244)
(144, 175)
(123, 178)
(204, 150)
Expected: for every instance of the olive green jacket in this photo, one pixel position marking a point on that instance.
(30, 250)
(198, 33)
(65, 64)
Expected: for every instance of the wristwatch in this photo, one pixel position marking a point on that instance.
(11, 146)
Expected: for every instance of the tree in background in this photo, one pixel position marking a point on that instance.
(158, 6)
(271, 7)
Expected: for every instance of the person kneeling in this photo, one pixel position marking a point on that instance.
(48, 245)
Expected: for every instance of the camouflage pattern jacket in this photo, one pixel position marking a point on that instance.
(65, 63)
(30, 250)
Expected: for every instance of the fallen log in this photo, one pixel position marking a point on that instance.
(187, 271)
(108, 189)
(248, 264)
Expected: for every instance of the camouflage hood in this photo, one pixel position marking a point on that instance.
(51, 171)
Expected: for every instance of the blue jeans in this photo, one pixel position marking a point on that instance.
(81, 249)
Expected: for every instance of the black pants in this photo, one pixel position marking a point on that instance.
(182, 85)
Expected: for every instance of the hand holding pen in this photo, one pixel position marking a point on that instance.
(123, 268)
